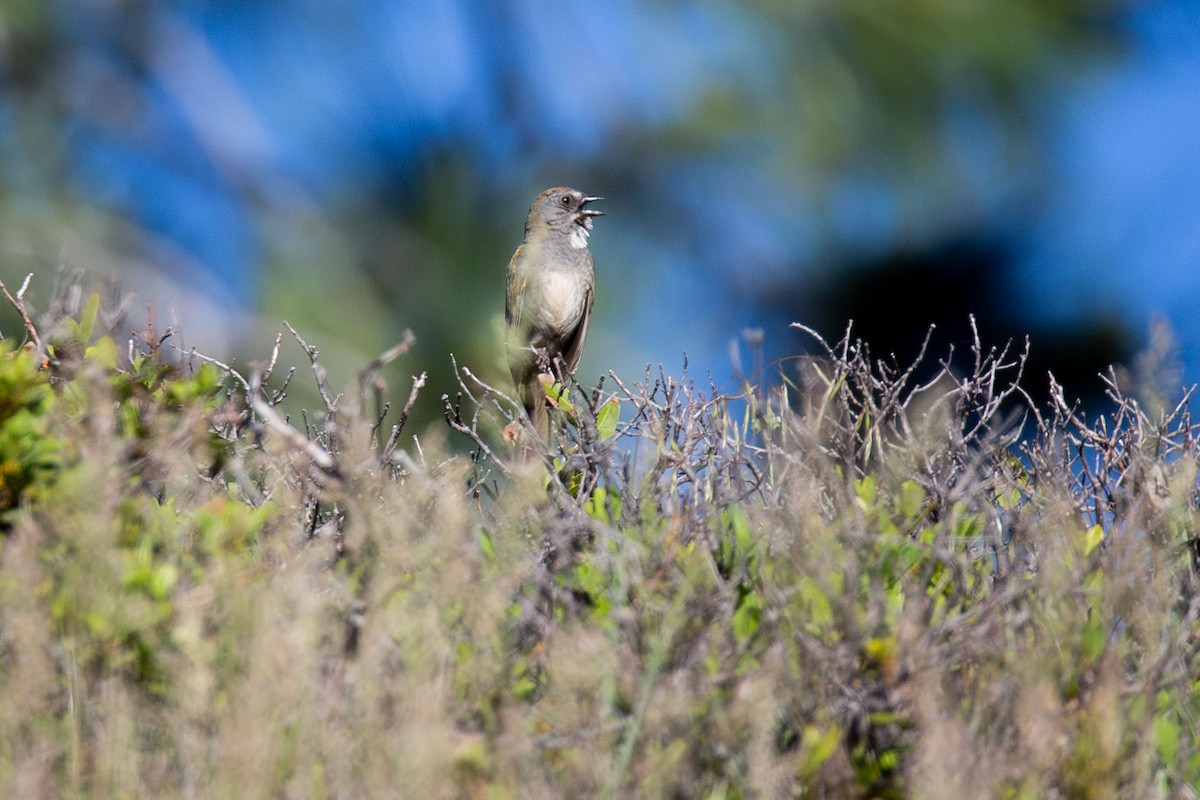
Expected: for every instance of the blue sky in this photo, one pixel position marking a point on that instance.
(1119, 233)
(207, 123)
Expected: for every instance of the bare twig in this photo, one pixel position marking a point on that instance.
(319, 375)
(453, 414)
(319, 457)
(389, 447)
(370, 374)
(269, 370)
(221, 365)
(18, 302)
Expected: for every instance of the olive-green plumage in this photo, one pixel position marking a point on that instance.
(551, 280)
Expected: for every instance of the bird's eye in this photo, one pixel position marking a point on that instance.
(565, 199)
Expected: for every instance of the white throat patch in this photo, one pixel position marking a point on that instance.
(579, 234)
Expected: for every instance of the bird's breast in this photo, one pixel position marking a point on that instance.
(563, 294)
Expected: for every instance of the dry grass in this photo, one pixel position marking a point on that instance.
(857, 585)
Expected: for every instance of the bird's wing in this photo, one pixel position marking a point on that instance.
(573, 348)
(515, 296)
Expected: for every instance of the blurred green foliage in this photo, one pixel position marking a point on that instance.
(800, 98)
(29, 455)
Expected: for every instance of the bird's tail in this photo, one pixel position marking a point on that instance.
(535, 408)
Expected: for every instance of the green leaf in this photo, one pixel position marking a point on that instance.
(556, 395)
(590, 579)
(1093, 638)
(602, 506)
(607, 418)
(866, 489)
(819, 608)
(819, 746)
(486, 546)
(735, 520)
(911, 501)
(87, 320)
(524, 687)
(103, 352)
(748, 617)
(894, 599)
(163, 580)
(1166, 738)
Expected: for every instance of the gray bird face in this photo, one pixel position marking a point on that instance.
(562, 207)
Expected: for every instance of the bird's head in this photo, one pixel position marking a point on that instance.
(563, 209)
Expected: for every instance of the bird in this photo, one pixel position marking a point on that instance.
(551, 284)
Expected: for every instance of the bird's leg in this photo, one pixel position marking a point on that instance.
(548, 370)
(541, 357)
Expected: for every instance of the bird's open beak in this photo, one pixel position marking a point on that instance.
(590, 212)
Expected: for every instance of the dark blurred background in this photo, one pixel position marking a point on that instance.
(363, 167)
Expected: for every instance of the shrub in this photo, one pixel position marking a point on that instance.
(868, 581)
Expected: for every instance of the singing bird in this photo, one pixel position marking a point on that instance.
(551, 282)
